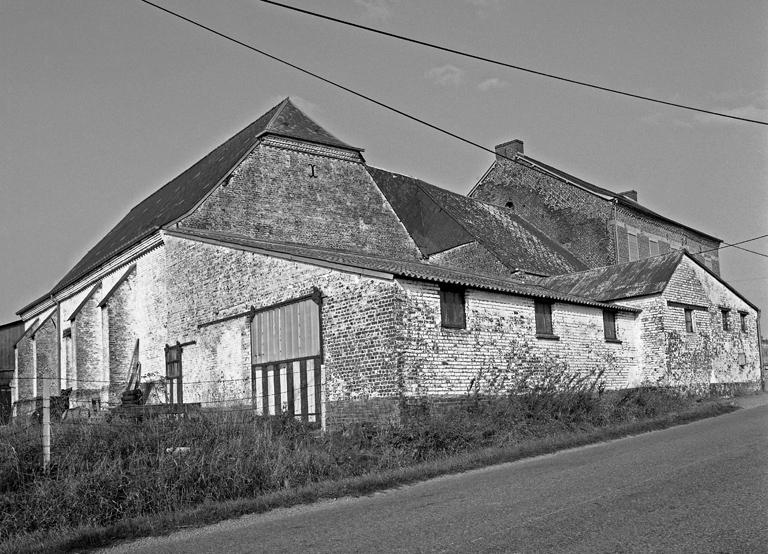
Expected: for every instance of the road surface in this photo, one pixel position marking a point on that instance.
(701, 487)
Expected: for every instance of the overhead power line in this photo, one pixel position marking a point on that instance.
(509, 65)
(377, 102)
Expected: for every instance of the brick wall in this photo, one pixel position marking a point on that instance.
(25, 352)
(573, 217)
(469, 257)
(47, 356)
(87, 345)
(584, 223)
(711, 354)
(207, 282)
(119, 314)
(272, 196)
(499, 343)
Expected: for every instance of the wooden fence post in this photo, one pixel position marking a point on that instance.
(46, 429)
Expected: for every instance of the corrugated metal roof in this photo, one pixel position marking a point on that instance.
(438, 219)
(401, 268)
(639, 278)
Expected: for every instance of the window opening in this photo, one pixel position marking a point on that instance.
(173, 373)
(688, 320)
(544, 319)
(634, 252)
(743, 322)
(453, 308)
(724, 316)
(609, 325)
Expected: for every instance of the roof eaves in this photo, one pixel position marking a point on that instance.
(606, 194)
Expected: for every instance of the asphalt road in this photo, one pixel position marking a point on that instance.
(701, 487)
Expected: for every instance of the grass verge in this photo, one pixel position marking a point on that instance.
(62, 539)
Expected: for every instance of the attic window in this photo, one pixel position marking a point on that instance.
(688, 320)
(724, 316)
(452, 307)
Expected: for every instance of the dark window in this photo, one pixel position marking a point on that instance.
(452, 313)
(743, 322)
(173, 373)
(510, 205)
(688, 320)
(544, 319)
(724, 315)
(609, 325)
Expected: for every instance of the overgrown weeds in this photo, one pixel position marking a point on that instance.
(105, 473)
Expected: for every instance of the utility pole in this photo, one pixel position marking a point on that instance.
(46, 429)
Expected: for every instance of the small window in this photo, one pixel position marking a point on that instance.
(634, 252)
(724, 315)
(654, 248)
(452, 308)
(510, 205)
(544, 320)
(173, 373)
(609, 325)
(743, 322)
(688, 320)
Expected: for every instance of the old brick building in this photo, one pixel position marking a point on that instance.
(599, 226)
(284, 273)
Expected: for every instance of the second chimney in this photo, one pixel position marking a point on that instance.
(509, 150)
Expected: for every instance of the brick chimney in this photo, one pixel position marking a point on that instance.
(509, 149)
(631, 194)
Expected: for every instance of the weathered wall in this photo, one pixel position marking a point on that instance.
(500, 344)
(47, 356)
(470, 257)
(25, 356)
(272, 196)
(710, 355)
(120, 315)
(87, 345)
(583, 222)
(207, 282)
(573, 217)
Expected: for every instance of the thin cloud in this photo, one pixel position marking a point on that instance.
(490, 84)
(445, 75)
(751, 105)
(377, 10)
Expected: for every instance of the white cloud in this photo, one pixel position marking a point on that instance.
(492, 83)
(378, 10)
(445, 75)
(750, 105)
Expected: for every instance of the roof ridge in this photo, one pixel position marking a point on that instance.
(279, 109)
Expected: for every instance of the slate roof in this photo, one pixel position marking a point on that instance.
(182, 193)
(620, 198)
(628, 280)
(401, 268)
(438, 219)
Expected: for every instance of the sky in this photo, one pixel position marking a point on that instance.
(101, 103)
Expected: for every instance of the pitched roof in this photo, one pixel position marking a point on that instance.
(620, 198)
(401, 268)
(438, 219)
(638, 278)
(182, 193)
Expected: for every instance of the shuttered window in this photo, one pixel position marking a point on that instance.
(634, 253)
(452, 308)
(544, 319)
(609, 325)
(286, 332)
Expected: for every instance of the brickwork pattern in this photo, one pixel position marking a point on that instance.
(25, 351)
(585, 224)
(119, 312)
(47, 353)
(272, 196)
(87, 342)
(573, 217)
(207, 283)
(500, 342)
(470, 257)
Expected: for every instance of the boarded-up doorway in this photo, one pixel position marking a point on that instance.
(286, 358)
